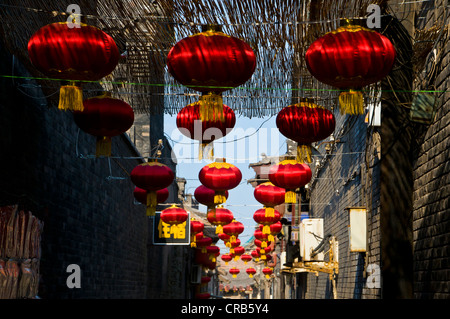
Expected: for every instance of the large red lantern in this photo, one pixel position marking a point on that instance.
(270, 196)
(73, 54)
(250, 271)
(233, 229)
(104, 117)
(152, 176)
(220, 177)
(234, 271)
(219, 217)
(205, 196)
(211, 62)
(350, 58)
(260, 217)
(305, 123)
(290, 175)
(174, 215)
(196, 228)
(190, 125)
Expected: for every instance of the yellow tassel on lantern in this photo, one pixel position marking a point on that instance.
(226, 263)
(256, 259)
(151, 203)
(206, 151)
(266, 229)
(270, 212)
(236, 258)
(263, 257)
(219, 197)
(211, 107)
(250, 275)
(268, 276)
(289, 197)
(234, 275)
(304, 154)
(351, 102)
(219, 229)
(71, 98)
(193, 243)
(103, 146)
(270, 238)
(263, 244)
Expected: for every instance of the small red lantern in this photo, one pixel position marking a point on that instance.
(73, 54)
(246, 258)
(262, 245)
(250, 271)
(205, 280)
(233, 229)
(202, 295)
(211, 62)
(205, 196)
(238, 251)
(305, 123)
(275, 228)
(220, 177)
(233, 245)
(255, 254)
(219, 217)
(226, 258)
(225, 238)
(152, 176)
(290, 175)
(260, 217)
(258, 234)
(190, 125)
(104, 117)
(203, 243)
(234, 272)
(196, 228)
(212, 251)
(350, 58)
(174, 215)
(270, 196)
(267, 271)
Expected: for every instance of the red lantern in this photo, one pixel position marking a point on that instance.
(141, 195)
(233, 229)
(203, 243)
(238, 251)
(204, 280)
(258, 234)
(174, 215)
(73, 54)
(220, 177)
(255, 254)
(190, 125)
(202, 295)
(305, 123)
(260, 217)
(267, 271)
(211, 62)
(234, 272)
(270, 196)
(104, 117)
(152, 176)
(205, 196)
(196, 228)
(275, 228)
(350, 58)
(233, 245)
(219, 217)
(246, 258)
(212, 251)
(226, 258)
(262, 245)
(225, 238)
(290, 175)
(250, 271)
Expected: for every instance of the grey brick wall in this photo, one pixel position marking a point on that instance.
(431, 197)
(345, 179)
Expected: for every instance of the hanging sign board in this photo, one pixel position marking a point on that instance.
(166, 234)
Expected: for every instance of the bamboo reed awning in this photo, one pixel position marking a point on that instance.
(279, 31)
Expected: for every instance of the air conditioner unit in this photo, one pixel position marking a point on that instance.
(311, 235)
(196, 274)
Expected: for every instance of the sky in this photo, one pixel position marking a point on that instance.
(262, 137)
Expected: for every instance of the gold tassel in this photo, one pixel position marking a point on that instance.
(71, 98)
(351, 102)
(268, 276)
(270, 212)
(256, 259)
(219, 229)
(262, 252)
(151, 203)
(226, 263)
(270, 238)
(234, 275)
(289, 197)
(206, 151)
(219, 197)
(304, 154)
(266, 229)
(250, 275)
(263, 244)
(211, 107)
(236, 258)
(263, 257)
(103, 146)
